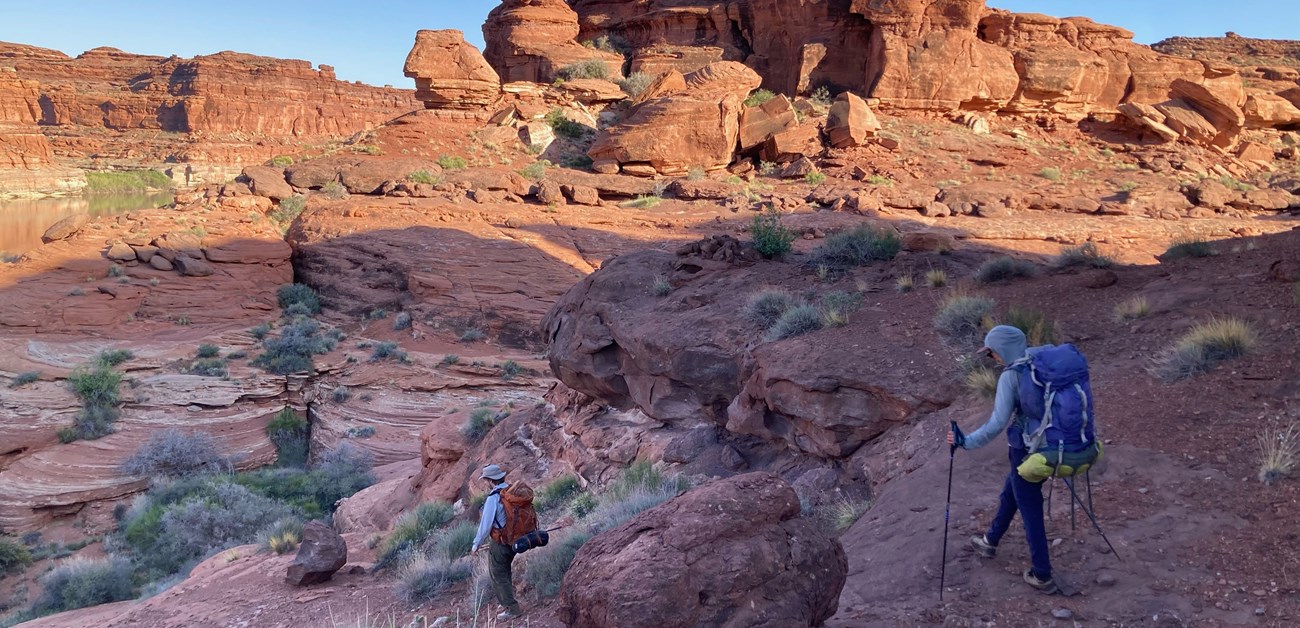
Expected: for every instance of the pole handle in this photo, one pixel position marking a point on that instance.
(952, 425)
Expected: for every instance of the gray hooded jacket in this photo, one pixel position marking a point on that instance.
(1010, 344)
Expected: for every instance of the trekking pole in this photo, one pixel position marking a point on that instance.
(1092, 518)
(947, 508)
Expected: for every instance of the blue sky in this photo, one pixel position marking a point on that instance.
(368, 41)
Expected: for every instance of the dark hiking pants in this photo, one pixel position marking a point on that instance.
(500, 558)
(1025, 497)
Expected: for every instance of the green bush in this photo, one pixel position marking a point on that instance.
(472, 335)
(837, 306)
(449, 359)
(814, 178)
(642, 202)
(282, 161)
(1004, 268)
(857, 247)
(127, 182)
(79, 582)
(961, 317)
(1039, 330)
(454, 541)
(292, 351)
(260, 331)
(23, 379)
(424, 176)
(661, 287)
(452, 162)
(636, 83)
(402, 321)
(547, 566)
(563, 126)
(14, 556)
(341, 394)
(97, 387)
(534, 172)
(173, 453)
(766, 307)
(1206, 346)
(480, 422)
(796, 321)
(1086, 255)
(413, 529)
(387, 350)
(281, 537)
(759, 98)
(298, 294)
(290, 434)
(421, 580)
(1051, 174)
(772, 239)
(113, 357)
(208, 351)
(589, 69)
(288, 210)
(1188, 247)
(511, 370)
(558, 493)
(334, 191)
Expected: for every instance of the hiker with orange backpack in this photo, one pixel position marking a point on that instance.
(1044, 402)
(508, 514)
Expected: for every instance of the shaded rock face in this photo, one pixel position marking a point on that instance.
(697, 126)
(26, 157)
(449, 73)
(321, 554)
(531, 40)
(734, 552)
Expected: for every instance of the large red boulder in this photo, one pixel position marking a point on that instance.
(449, 73)
(734, 552)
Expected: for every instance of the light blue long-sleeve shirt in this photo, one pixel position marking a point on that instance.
(1004, 410)
(494, 515)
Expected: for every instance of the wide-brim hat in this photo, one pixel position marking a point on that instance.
(493, 472)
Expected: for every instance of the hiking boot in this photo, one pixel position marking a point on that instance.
(509, 614)
(1044, 586)
(983, 547)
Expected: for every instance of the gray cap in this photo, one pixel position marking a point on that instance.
(493, 472)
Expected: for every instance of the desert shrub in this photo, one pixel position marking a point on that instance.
(636, 83)
(1205, 346)
(292, 351)
(23, 379)
(1133, 308)
(589, 69)
(936, 278)
(766, 307)
(211, 367)
(643, 201)
(422, 579)
(583, 505)
(97, 387)
(424, 176)
(334, 191)
(511, 370)
(771, 238)
(547, 566)
(796, 321)
(905, 283)
(127, 182)
(290, 435)
(1279, 450)
(857, 247)
(281, 537)
(759, 98)
(558, 492)
(298, 294)
(387, 350)
(1004, 268)
(413, 529)
(173, 453)
(617, 509)
(449, 359)
(14, 556)
(534, 172)
(661, 287)
(452, 162)
(563, 126)
(961, 317)
(341, 394)
(479, 423)
(453, 541)
(881, 180)
(983, 382)
(230, 515)
(821, 96)
(282, 161)
(208, 351)
(259, 332)
(1039, 330)
(80, 582)
(1188, 247)
(1083, 255)
(814, 178)
(472, 334)
(113, 357)
(338, 473)
(288, 210)
(1051, 174)
(116, 270)
(846, 512)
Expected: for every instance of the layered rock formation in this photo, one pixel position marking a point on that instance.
(531, 40)
(230, 108)
(26, 159)
(449, 73)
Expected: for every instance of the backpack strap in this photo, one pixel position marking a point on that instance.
(1083, 425)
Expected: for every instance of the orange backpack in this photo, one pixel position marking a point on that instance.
(521, 517)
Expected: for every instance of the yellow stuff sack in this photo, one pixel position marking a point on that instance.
(1041, 466)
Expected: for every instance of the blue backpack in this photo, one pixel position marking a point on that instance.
(1056, 400)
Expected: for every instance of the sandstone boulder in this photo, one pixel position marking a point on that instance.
(581, 194)
(757, 124)
(120, 252)
(449, 73)
(1263, 110)
(697, 127)
(532, 40)
(368, 176)
(733, 552)
(851, 121)
(159, 262)
(1149, 118)
(191, 267)
(322, 553)
(65, 228)
(1219, 102)
(268, 182)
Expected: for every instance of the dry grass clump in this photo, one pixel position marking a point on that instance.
(1205, 346)
(1279, 450)
(1134, 308)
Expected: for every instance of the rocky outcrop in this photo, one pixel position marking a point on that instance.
(321, 553)
(674, 132)
(532, 40)
(734, 552)
(449, 73)
(27, 164)
(851, 122)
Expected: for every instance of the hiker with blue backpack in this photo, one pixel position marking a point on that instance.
(1044, 402)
